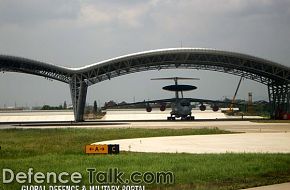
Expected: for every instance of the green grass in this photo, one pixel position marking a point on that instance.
(23, 143)
(62, 150)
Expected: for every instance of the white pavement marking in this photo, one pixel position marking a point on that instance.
(223, 143)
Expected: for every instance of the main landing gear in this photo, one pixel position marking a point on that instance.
(171, 118)
(188, 118)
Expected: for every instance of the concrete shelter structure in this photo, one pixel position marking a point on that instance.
(274, 75)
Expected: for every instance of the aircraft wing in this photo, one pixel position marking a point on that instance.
(162, 101)
(143, 103)
(205, 100)
(155, 101)
(189, 99)
(211, 101)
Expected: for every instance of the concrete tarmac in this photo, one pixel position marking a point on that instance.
(257, 137)
(203, 144)
(282, 186)
(235, 126)
(29, 116)
(156, 114)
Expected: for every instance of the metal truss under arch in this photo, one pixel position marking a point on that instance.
(274, 75)
(28, 66)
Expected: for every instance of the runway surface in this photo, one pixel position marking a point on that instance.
(282, 186)
(258, 137)
(111, 115)
(235, 126)
(156, 114)
(35, 116)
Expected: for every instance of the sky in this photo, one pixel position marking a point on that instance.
(76, 33)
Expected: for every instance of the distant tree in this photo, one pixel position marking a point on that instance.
(46, 107)
(64, 105)
(95, 107)
(122, 103)
(110, 104)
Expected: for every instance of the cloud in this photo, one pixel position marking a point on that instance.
(199, 14)
(75, 33)
(137, 13)
(248, 8)
(114, 12)
(27, 12)
(79, 12)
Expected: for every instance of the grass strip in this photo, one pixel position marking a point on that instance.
(60, 150)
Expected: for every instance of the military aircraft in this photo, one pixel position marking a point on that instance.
(180, 107)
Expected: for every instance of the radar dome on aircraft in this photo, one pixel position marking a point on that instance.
(179, 87)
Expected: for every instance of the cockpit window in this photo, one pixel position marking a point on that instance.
(185, 103)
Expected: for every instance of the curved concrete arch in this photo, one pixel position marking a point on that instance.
(23, 65)
(250, 67)
(274, 75)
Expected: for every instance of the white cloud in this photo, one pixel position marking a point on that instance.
(29, 12)
(104, 13)
(79, 32)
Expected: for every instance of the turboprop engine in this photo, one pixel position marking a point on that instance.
(215, 108)
(163, 107)
(202, 107)
(148, 108)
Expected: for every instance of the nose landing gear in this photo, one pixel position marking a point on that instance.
(171, 118)
(186, 118)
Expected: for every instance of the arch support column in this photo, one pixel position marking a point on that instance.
(78, 89)
(279, 97)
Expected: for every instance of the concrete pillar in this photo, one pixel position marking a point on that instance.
(81, 103)
(78, 90)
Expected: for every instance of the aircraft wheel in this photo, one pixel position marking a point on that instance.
(171, 118)
(192, 118)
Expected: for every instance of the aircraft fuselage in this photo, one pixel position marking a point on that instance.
(181, 108)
